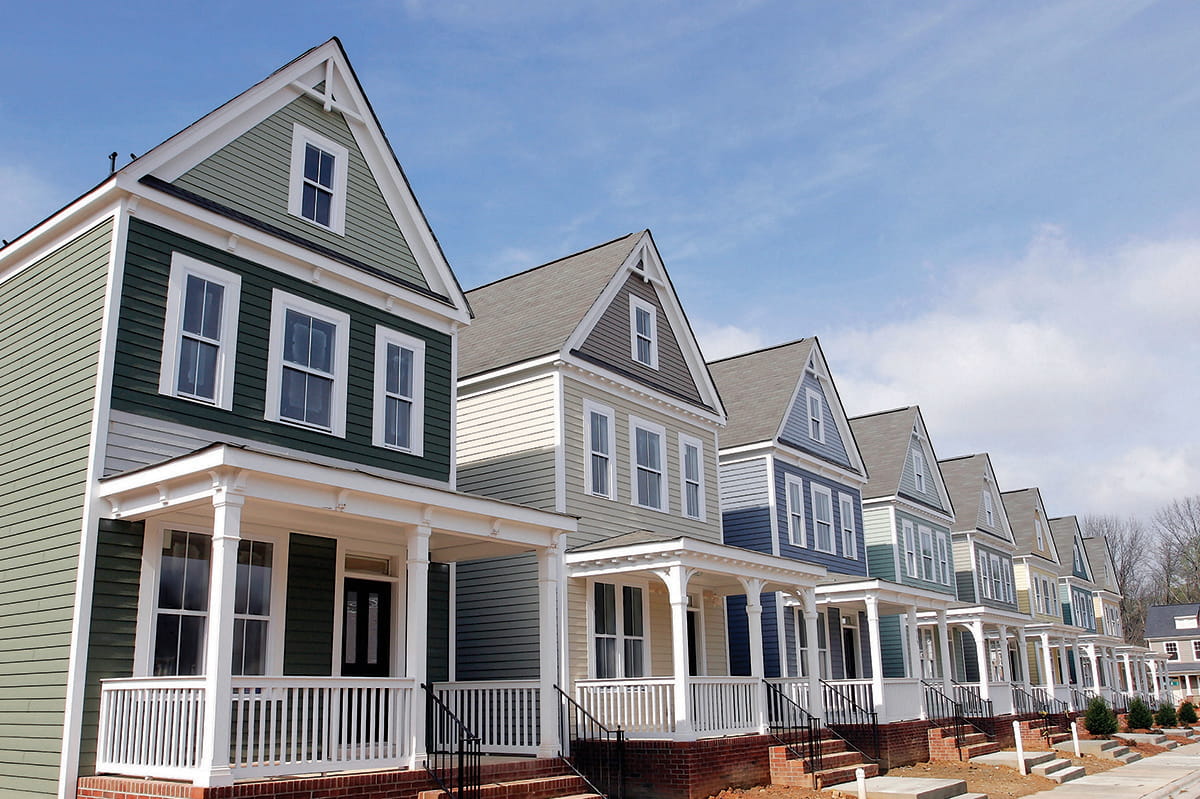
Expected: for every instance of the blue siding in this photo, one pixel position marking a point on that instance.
(739, 636)
(795, 429)
(833, 631)
(908, 484)
(834, 562)
(864, 646)
(745, 502)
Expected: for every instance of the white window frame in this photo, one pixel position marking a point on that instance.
(620, 637)
(1037, 526)
(1195, 650)
(385, 336)
(636, 303)
(816, 424)
(989, 511)
(1172, 649)
(301, 137)
(796, 517)
(984, 576)
(1007, 576)
(281, 302)
(848, 526)
(168, 375)
(996, 568)
(908, 532)
(918, 467)
(816, 490)
(636, 424)
(590, 408)
(686, 441)
(925, 536)
(944, 560)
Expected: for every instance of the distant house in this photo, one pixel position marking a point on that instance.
(1173, 631)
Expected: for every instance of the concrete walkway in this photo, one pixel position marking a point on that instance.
(1167, 775)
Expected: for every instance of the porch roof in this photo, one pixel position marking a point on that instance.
(893, 597)
(983, 613)
(290, 491)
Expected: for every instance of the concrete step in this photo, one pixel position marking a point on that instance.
(984, 747)
(1090, 746)
(1148, 738)
(912, 788)
(1128, 757)
(1059, 770)
(837, 776)
(1008, 757)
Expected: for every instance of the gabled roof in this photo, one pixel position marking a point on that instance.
(1020, 505)
(1104, 569)
(967, 477)
(1160, 620)
(883, 439)
(1066, 535)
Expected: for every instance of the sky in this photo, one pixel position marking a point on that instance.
(991, 210)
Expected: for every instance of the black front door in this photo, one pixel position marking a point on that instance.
(849, 652)
(366, 628)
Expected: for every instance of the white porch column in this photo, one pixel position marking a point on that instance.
(676, 578)
(549, 578)
(218, 648)
(1128, 673)
(1093, 666)
(872, 602)
(1155, 678)
(981, 657)
(914, 645)
(944, 651)
(416, 639)
(753, 589)
(1047, 665)
(1023, 658)
(816, 700)
(1063, 665)
(1002, 631)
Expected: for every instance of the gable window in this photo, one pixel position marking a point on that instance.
(599, 467)
(1037, 526)
(643, 332)
(988, 511)
(795, 511)
(306, 382)
(1078, 559)
(927, 559)
(691, 468)
(910, 548)
(317, 189)
(648, 442)
(619, 631)
(200, 332)
(943, 550)
(918, 466)
(822, 505)
(1172, 650)
(816, 416)
(849, 535)
(399, 421)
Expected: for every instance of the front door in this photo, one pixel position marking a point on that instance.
(850, 652)
(366, 628)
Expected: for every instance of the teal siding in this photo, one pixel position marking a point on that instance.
(918, 581)
(49, 353)
(139, 349)
(438, 649)
(251, 174)
(881, 551)
(114, 621)
(891, 645)
(496, 618)
(311, 596)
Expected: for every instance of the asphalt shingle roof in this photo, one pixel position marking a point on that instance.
(757, 390)
(1160, 620)
(883, 440)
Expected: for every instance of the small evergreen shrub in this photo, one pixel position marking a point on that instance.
(1165, 717)
(1187, 714)
(1139, 717)
(1099, 719)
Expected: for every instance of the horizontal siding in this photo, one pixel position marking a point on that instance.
(496, 618)
(745, 504)
(662, 663)
(891, 646)
(919, 582)
(908, 482)
(716, 642)
(881, 549)
(577, 630)
(796, 432)
(311, 597)
(43, 466)
(834, 562)
(1006, 559)
(964, 570)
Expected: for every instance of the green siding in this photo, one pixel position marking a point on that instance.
(139, 348)
(49, 352)
(311, 589)
(251, 174)
(438, 648)
(114, 621)
(931, 585)
(881, 551)
(891, 646)
(496, 618)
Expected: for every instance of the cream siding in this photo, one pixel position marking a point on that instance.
(716, 647)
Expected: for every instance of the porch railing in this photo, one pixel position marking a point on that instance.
(850, 718)
(1023, 702)
(794, 688)
(636, 706)
(1045, 702)
(503, 714)
(724, 705)
(597, 752)
(942, 709)
(793, 726)
(454, 759)
(151, 727)
(974, 706)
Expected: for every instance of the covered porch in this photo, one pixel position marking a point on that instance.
(990, 648)
(293, 616)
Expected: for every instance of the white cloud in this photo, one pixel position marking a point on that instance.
(720, 341)
(25, 199)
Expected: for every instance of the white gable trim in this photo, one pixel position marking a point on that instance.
(817, 364)
(932, 462)
(997, 501)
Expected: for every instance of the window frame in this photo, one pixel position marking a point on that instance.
(910, 548)
(385, 337)
(918, 467)
(590, 408)
(686, 441)
(281, 303)
(301, 138)
(989, 509)
(636, 303)
(1171, 648)
(795, 516)
(945, 559)
(819, 420)
(814, 490)
(621, 637)
(926, 534)
(183, 266)
(636, 424)
(1196, 649)
(849, 533)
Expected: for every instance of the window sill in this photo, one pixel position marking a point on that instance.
(302, 426)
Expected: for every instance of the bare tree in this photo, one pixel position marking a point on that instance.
(1178, 568)
(1129, 543)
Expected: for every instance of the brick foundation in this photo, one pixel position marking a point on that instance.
(695, 769)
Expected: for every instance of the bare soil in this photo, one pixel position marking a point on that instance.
(1141, 747)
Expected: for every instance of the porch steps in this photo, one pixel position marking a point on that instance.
(914, 788)
(552, 780)
(1044, 764)
(1060, 770)
(1042, 734)
(838, 763)
(1149, 738)
(943, 745)
(1109, 750)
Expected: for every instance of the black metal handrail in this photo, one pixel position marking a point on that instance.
(1047, 703)
(941, 708)
(602, 764)
(842, 714)
(1023, 701)
(453, 757)
(788, 721)
(1079, 697)
(974, 706)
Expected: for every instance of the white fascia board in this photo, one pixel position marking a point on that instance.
(840, 417)
(702, 555)
(81, 215)
(509, 375)
(885, 590)
(802, 460)
(600, 377)
(988, 615)
(915, 508)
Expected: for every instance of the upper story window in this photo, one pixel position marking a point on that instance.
(989, 513)
(918, 466)
(691, 460)
(1196, 650)
(822, 510)
(816, 416)
(1037, 527)
(600, 466)
(399, 409)
(909, 535)
(795, 510)
(983, 575)
(944, 559)
(619, 631)
(649, 449)
(306, 379)
(1078, 557)
(200, 332)
(997, 578)
(643, 332)
(849, 534)
(928, 557)
(1172, 648)
(317, 190)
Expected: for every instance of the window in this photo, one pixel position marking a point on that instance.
(926, 553)
(399, 391)
(648, 442)
(317, 190)
(619, 630)
(822, 505)
(985, 580)
(1172, 650)
(997, 579)
(816, 416)
(200, 332)
(795, 510)
(989, 514)
(691, 468)
(599, 467)
(943, 550)
(643, 332)
(252, 607)
(1008, 581)
(910, 548)
(1078, 556)
(306, 384)
(1196, 650)
(1037, 526)
(849, 534)
(918, 466)
(802, 646)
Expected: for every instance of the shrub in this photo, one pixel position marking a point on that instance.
(1100, 720)
(1187, 714)
(1139, 717)
(1165, 717)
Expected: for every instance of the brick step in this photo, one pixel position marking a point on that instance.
(982, 748)
(836, 776)
(534, 788)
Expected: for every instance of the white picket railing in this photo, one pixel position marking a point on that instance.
(794, 688)
(859, 691)
(636, 706)
(151, 727)
(725, 705)
(504, 714)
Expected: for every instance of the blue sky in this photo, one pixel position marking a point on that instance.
(988, 209)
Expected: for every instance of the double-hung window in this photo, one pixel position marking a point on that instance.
(306, 382)
(1008, 581)
(317, 190)
(794, 491)
(200, 332)
(927, 556)
(816, 415)
(989, 511)
(252, 607)
(1172, 650)
(1196, 650)
(918, 467)
(997, 578)
(943, 553)
(849, 534)
(619, 631)
(600, 465)
(909, 535)
(399, 410)
(985, 581)
(643, 332)
(822, 510)
(691, 475)
(648, 445)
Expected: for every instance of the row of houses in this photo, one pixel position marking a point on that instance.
(276, 489)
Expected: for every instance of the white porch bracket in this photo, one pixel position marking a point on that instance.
(417, 632)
